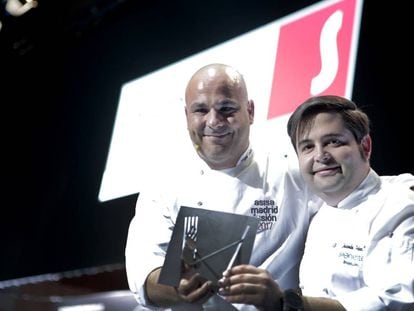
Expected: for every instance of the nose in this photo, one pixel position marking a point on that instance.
(214, 118)
(322, 155)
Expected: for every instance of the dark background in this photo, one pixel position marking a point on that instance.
(62, 68)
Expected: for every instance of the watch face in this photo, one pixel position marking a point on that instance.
(293, 300)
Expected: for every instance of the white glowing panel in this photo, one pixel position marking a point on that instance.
(309, 52)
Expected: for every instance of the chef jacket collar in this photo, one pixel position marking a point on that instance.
(371, 184)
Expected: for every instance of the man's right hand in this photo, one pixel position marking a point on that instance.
(193, 288)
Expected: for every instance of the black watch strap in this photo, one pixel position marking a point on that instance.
(292, 300)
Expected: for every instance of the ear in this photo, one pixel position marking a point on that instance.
(366, 144)
(250, 110)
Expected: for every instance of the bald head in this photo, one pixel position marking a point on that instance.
(228, 78)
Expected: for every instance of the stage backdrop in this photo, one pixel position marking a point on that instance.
(309, 52)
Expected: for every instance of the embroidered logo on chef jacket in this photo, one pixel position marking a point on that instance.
(351, 254)
(347, 272)
(267, 211)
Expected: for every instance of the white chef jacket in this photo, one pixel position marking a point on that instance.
(362, 252)
(268, 187)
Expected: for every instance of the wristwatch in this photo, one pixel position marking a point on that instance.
(292, 300)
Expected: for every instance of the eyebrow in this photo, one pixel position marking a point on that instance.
(327, 136)
(196, 104)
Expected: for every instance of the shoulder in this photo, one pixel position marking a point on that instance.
(279, 161)
(286, 165)
(284, 175)
(399, 186)
(398, 196)
(401, 179)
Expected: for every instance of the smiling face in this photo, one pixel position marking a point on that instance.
(331, 161)
(219, 115)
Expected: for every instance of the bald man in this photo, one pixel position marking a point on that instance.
(227, 175)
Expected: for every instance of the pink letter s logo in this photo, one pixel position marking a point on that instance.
(329, 54)
(314, 55)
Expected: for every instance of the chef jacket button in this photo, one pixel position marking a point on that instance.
(199, 203)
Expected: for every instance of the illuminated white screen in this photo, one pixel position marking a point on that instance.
(309, 52)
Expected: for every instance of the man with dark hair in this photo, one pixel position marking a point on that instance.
(359, 252)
